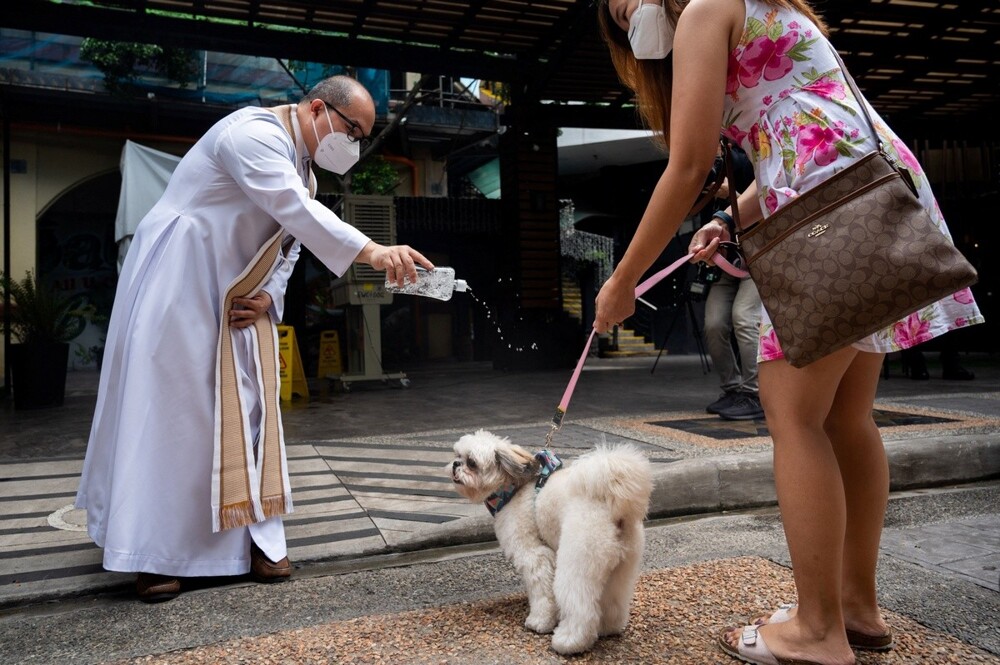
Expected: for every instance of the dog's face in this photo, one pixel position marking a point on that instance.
(485, 462)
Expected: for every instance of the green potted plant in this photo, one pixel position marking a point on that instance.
(42, 322)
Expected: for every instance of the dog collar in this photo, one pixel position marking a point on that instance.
(496, 501)
(550, 463)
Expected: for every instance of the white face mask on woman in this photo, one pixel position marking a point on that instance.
(649, 32)
(336, 152)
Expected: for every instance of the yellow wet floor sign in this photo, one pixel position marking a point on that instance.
(293, 377)
(329, 355)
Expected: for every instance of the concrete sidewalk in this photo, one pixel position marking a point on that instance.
(368, 467)
(465, 605)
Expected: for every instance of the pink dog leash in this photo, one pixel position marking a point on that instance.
(644, 286)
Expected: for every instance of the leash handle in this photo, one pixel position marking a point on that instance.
(646, 285)
(717, 258)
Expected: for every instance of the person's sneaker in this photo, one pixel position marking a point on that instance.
(745, 407)
(726, 400)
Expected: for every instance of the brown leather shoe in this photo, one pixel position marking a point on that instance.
(152, 588)
(264, 570)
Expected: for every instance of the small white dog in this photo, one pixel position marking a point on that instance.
(575, 536)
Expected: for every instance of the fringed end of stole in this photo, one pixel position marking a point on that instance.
(237, 515)
(273, 505)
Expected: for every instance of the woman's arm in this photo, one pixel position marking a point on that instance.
(701, 58)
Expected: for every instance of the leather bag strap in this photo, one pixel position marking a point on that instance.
(857, 95)
(709, 194)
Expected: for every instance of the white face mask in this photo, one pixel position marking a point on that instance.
(336, 152)
(649, 32)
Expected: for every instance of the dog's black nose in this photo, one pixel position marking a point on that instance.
(456, 464)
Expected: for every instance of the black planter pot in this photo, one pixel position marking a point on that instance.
(38, 374)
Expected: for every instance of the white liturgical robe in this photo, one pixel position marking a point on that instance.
(147, 478)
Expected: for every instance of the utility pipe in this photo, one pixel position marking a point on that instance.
(102, 133)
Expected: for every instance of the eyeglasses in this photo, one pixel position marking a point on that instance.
(354, 133)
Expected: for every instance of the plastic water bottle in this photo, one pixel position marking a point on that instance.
(439, 283)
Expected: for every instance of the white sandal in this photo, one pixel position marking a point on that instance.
(857, 640)
(752, 649)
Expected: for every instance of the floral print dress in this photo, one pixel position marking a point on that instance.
(789, 107)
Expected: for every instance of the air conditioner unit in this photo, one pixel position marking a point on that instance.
(362, 290)
(375, 216)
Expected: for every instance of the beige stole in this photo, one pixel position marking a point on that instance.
(246, 490)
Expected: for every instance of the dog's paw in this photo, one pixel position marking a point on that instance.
(540, 622)
(569, 640)
(611, 631)
(613, 625)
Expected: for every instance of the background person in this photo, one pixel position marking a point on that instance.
(185, 472)
(764, 71)
(732, 311)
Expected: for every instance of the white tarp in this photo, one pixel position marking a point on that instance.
(145, 173)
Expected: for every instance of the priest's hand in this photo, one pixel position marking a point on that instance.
(247, 310)
(398, 261)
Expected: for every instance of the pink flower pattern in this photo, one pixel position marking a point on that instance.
(769, 349)
(826, 88)
(907, 158)
(817, 143)
(964, 296)
(766, 57)
(771, 200)
(911, 331)
(788, 106)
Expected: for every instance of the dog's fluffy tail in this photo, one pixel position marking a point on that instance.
(621, 475)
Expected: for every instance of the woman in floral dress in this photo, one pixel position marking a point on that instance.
(765, 72)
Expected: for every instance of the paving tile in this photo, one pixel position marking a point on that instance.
(87, 578)
(29, 486)
(398, 526)
(342, 510)
(329, 529)
(984, 570)
(39, 468)
(363, 492)
(322, 504)
(933, 550)
(45, 537)
(42, 504)
(24, 560)
(395, 537)
(364, 541)
(421, 504)
(304, 484)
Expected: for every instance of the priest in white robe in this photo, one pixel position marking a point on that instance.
(185, 472)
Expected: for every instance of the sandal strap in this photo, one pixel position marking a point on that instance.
(753, 649)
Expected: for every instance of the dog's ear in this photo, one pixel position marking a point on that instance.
(517, 462)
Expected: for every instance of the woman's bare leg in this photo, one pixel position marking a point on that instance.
(864, 471)
(813, 506)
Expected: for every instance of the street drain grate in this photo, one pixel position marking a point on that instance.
(723, 430)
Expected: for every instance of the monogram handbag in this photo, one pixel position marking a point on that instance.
(849, 257)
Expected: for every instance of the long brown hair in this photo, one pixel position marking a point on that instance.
(652, 80)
